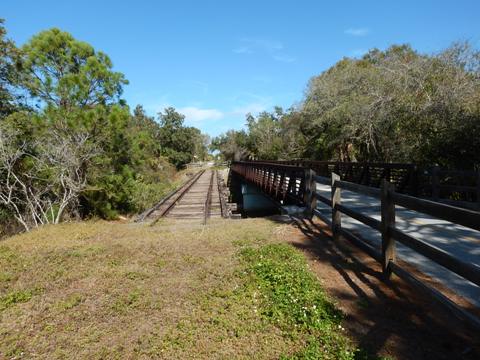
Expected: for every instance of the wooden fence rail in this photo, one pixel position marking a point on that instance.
(390, 234)
(289, 183)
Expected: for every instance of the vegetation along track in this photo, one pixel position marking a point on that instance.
(198, 199)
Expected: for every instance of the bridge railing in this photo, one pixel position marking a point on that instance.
(390, 234)
(289, 183)
(455, 187)
(284, 183)
(402, 175)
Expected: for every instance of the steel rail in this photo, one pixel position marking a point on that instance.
(182, 191)
(208, 200)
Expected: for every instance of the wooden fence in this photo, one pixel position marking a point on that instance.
(288, 183)
(390, 234)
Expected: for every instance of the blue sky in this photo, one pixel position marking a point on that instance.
(217, 60)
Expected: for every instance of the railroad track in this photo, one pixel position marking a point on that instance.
(198, 199)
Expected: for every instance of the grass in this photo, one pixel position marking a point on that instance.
(101, 290)
(15, 297)
(290, 297)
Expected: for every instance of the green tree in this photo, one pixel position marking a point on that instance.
(81, 152)
(399, 105)
(65, 72)
(8, 74)
(202, 142)
(233, 145)
(265, 134)
(177, 141)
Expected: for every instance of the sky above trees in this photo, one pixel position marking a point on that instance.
(215, 61)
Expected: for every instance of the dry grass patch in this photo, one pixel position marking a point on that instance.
(102, 290)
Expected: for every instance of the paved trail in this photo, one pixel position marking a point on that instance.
(455, 239)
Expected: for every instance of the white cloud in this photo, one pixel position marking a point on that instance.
(284, 58)
(357, 32)
(196, 114)
(213, 120)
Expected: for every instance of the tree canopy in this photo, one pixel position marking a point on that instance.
(80, 151)
(395, 105)
(65, 72)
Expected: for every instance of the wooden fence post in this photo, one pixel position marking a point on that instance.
(309, 194)
(478, 190)
(435, 183)
(388, 221)
(336, 215)
(414, 181)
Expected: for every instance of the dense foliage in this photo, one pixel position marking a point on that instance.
(389, 106)
(69, 145)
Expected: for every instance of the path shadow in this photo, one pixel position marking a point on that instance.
(383, 316)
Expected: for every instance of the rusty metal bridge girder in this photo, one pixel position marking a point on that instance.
(283, 183)
(403, 175)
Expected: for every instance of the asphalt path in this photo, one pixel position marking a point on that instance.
(457, 240)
